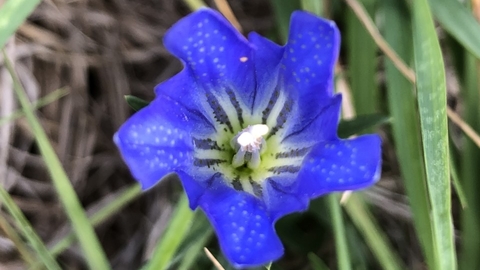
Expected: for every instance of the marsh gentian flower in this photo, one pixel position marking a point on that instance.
(250, 129)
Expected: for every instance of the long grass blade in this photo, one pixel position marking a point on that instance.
(459, 22)
(362, 62)
(91, 247)
(431, 91)
(12, 234)
(316, 263)
(44, 101)
(282, 10)
(12, 14)
(314, 6)
(173, 236)
(405, 123)
(125, 197)
(195, 250)
(27, 231)
(376, 240)
(341, 246)
(469, 169)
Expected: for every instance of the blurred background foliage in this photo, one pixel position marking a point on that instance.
(67, 66)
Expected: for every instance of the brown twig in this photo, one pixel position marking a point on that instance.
(213, 259)
(225, 9)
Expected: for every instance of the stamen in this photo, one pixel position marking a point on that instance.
(249, 144)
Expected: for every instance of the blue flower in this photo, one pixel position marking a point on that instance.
(250, 129)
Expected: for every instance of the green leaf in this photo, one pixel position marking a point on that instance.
(91, 247)
(347, 128)
(405, 123)
(459, 22)
(136, 103)
(432, 95)
(12, 14)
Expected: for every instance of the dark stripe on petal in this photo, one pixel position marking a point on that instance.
(207, 162)
(219, 113)
(236, 105)
(309, 123)
(282, 117)
(206, 144)
(257, 188)
(236, 184)
(211, 179)
(284, 169)
(276, 186)
(293, 153)
(273, 99)
(197, 113)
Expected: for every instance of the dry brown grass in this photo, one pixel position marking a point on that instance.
(102, 50)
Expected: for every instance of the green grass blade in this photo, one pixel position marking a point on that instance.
(341, 246)
(469, 169)
(12, 234)
(12, 14)
(195, 250)
(406, 125)
(457, 185)
(459, 22)
(316, 263)
(313, 6)
(172, 238)
(27, 231)
(125, 197)
(432, 95)
(44, 101)
(376, 240)
(194, 4)
(91, 247)
(362, 62)
(283, 9)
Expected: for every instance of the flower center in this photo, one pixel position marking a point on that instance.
(249, 144)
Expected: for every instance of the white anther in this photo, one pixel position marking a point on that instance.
(245, 139)
(258, 131)
(250, 140)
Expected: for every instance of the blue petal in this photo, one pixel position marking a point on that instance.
(341, 165)
(309, 59)
(266, 57)
(216, 55)
(322, 127)
(282, 199)
(244, 229)
(156, 141)
(183, 90)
